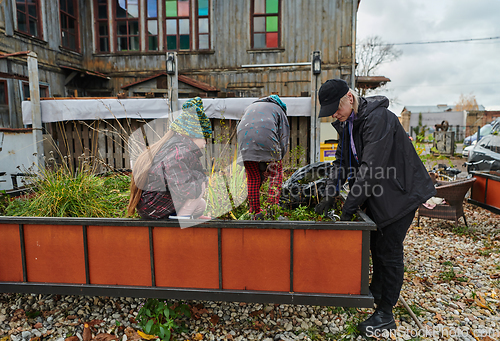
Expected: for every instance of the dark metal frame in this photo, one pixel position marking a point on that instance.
(365, 299)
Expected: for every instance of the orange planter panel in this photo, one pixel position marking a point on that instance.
(327, 261)
(186, 258)
(11, 267)
(478, 189)
(54, 253)
(256, 259)
(121, 259)
(493, 193)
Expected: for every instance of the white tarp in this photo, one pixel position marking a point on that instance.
(148, 108)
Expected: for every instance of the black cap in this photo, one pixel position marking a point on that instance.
(330, 94)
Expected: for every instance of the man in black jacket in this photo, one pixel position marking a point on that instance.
(386, 178)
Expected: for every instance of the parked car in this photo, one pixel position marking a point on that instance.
(496, 126)
(485, 130)
(466, 150)
(485, 156)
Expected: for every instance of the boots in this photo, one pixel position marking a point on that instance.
(382, 319)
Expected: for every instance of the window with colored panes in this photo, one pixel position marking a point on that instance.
(177, 22)
(265, 23)
(152, 22)
(203, 24)
(102, 23)
(69, 23)
(28, 17)
(127, 25)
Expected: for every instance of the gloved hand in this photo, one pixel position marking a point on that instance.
(345, 216)
(325, 205)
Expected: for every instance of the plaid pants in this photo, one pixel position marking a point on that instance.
(274, 172)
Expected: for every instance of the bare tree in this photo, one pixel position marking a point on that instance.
(371, 53)
(466, 102)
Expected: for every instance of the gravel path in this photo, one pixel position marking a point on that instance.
(452, 282)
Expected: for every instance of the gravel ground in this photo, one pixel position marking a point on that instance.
(452, 282)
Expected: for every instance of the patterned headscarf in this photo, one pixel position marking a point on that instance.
(193, 121)
(279, 102)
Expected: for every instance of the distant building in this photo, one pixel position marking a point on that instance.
(430, 115)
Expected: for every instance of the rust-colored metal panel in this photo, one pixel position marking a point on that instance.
(493, 192)
(327, 261)
(11, 267)
(256, 259)
(478, 188)
(186, 258)
(119, 255)
(54, 253)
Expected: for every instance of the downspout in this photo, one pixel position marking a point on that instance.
(353, 44)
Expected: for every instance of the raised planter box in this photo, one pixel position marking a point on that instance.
(292, 262)
(486, 190)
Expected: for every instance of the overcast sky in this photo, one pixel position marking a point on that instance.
(432, 74)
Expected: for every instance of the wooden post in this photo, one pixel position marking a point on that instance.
(36, 112)
(315, 148)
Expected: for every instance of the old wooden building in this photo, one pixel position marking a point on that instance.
(100, 48)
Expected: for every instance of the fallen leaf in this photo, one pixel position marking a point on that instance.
(105, 337)
(256, 313)
(439, 317)
(132, 335)
(87, 334)
(198, 337)
(94, 322)
(146, 336)
(214, 319)
(72, 338)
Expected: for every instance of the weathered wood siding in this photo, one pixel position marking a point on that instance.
(106, 144)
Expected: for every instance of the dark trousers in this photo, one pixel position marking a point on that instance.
(386, 246)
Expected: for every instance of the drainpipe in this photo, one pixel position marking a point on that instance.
(353, 44)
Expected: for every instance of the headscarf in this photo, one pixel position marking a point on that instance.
(193, 121)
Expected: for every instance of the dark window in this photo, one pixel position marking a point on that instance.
(69, 24)
(266, 23)
(102, 23)
(203, 24)
(127, 25)
(4, 99)
(177, 22)
(44, 91)
(152, 22)
(28, 17)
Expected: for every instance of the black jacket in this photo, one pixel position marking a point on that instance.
(389, 179)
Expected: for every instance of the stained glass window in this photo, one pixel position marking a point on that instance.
(177, 13)
(152, 22)
(265, 23)
(203, 22)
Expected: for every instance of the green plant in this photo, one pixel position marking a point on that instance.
(59, 192)
(4, 201)
(33, 314)
(161, 318)
(448, 274)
